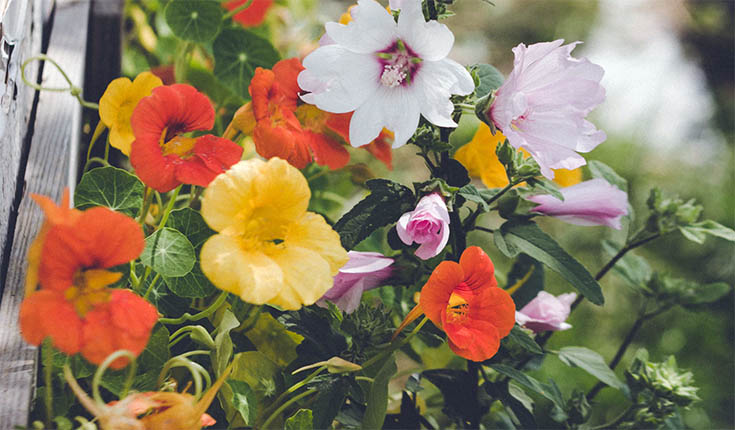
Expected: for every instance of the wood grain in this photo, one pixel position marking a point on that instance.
(56, 127)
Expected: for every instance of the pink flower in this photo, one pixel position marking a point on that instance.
(593, 202)
(546, 312)
(427, 225)
(542, 105)
(364, 271)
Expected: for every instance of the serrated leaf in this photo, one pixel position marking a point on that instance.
(244, 400)
(524, 340)
(237, 53)
(598, 169)
(377, 400)
(194, 20)
(592, 363)
(697, 232)
(110, 187)
(490, 79)
(301, 420)
(168, 252)
(527, 237)
(385, 204)
(550, 391)
(471, 193)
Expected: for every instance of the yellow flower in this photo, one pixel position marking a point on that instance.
(118, 102)
(478, 157)
(269, 248)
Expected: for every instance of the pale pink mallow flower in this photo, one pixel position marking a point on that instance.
(542, 105)
(546, 312)
(389, 73)
(363, 271)
(427, 225)
(593, 202)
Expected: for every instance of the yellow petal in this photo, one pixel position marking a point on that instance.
(478, 157)
(230, 194)
(567, 178)
(312, 232)
(282, 191)
(307, 277)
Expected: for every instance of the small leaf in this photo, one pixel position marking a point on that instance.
(697, 232)
(598, 169)
(237, 53)
(544, 186)
(110, 187)
(194, 20)
(377, 400)
(518, 336)
(490, 79)
(592, 363)
(244, 400)
(223, 343)
(169, 253)
(301, 420)
(708, 293)
(631, 267)
(328, 402)
(385, 204)
(529, 238)
(471, 193)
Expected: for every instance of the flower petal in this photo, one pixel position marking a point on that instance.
(431, 40)
(47, 313)
(437, 290)
(372, 29)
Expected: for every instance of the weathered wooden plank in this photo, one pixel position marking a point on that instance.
(56, 127)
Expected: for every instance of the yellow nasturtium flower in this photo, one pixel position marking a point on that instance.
(117, 105)
(480, 160)
(268, 249)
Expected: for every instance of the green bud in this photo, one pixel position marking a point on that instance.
(508, 204)
(340, 365)
(528, 170)
(505, 153)
(688, 213)
(482, 110)
(578, 408)
(201, 336)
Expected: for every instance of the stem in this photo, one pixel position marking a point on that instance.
(152, 284)
(72, 89)
(295, 387)
(237, 10)
(487, 230)
(148, 197)
(502, 191)
(92, 160)
(48, 363)
(395, 345)
(211, 309)
(473, 368)
(103, 367)
(285, 405)
(169, 207)
(97, 132)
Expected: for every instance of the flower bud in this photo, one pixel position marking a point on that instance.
(505, 153)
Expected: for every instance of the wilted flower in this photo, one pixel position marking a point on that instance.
(593, 202)
(364, 270)
(388, 73)
(268, 249)
(427, 225)
(546, 312)
(465, 301)
(542, 105)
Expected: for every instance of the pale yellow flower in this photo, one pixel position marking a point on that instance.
(269, 248)
(480, 160)
(117, 105)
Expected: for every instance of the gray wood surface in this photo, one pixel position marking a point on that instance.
(56, 130)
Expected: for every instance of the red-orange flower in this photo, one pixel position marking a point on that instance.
(163, 157)
(74, 306)
(253, 15)
(465, 301)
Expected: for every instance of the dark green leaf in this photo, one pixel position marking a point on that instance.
(301, 420)
(631, 267)
(377, 401)
(272, 339)
(237, 52)
(592, 363)
(528, 237)
(454, 172)
(697, 232)
(531, 273)
(192, 285)
(385, 204)
(603, 171)
(110, 187)
(244, 400)
(194, 20)
(550, 391)
(328, 402)
(545, 186)
(490, 79)
(524, 340)
(192, 225)
(168, 252)
(453, 383)
(471, 193)
(156, 353)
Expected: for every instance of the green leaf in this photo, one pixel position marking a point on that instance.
(222, 342)
(490, 79)
(194, 20)
(544, 186)
(377, 400)
(592, 363)
(244, 400)
(329, 401)
(191, 224)
(518, 336)
(452, 383)
(631, 267)
(272, 339)
(598, 169)
(156, 353)
(472, 194)
(707, 293)
(550, 391)
(260, 374)
(530, 272)
(237, 52)
(168, 252)
(385, 204)
(697, 232)
(301, 420)
(192, 285)
(524, 236)
(110, 187)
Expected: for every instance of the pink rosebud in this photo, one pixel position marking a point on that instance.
(363, 271)
(427, 225)
(542, 105)
(593, 202)
(546, 312)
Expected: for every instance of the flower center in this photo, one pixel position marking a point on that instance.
(457, 309)
(89, 288)
(178, 145)
(260, 234)
(400, 64)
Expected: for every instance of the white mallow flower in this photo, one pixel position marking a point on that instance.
(388, 73)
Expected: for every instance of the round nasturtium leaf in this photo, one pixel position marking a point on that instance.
(237, 53)
(169, 253)
(194, 20)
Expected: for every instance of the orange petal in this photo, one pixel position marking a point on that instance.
(286, 73)
(437, 290)
(47, 313)
(327, 152)
(479, 342)
(478, 268)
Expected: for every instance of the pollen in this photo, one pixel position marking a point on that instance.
(393, 76)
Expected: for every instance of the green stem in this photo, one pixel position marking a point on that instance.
(133, 277)
(614, 423)
(503, 191)
(395, 345)
(97, 132)
(278, 411)
(92, 160)
(211, 309)
(72, 89)
(169, 207)
(148, 197)
(132, 367)
(152, 284)
(295, 387)
(237, 10)
(48, 364)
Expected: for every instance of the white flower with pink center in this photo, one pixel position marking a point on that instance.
(388, 73)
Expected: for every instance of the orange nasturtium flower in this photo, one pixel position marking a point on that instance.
(465, 301)
(74, 305)
(479, 158)
(268, 249)
(251, 16)
(162, 155)
(117, 104)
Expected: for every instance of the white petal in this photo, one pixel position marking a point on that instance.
(401, 111)
(366, 122)
(430, 40)
(372, 29)
(437, 80)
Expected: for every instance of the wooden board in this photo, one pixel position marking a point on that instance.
(47, 171)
